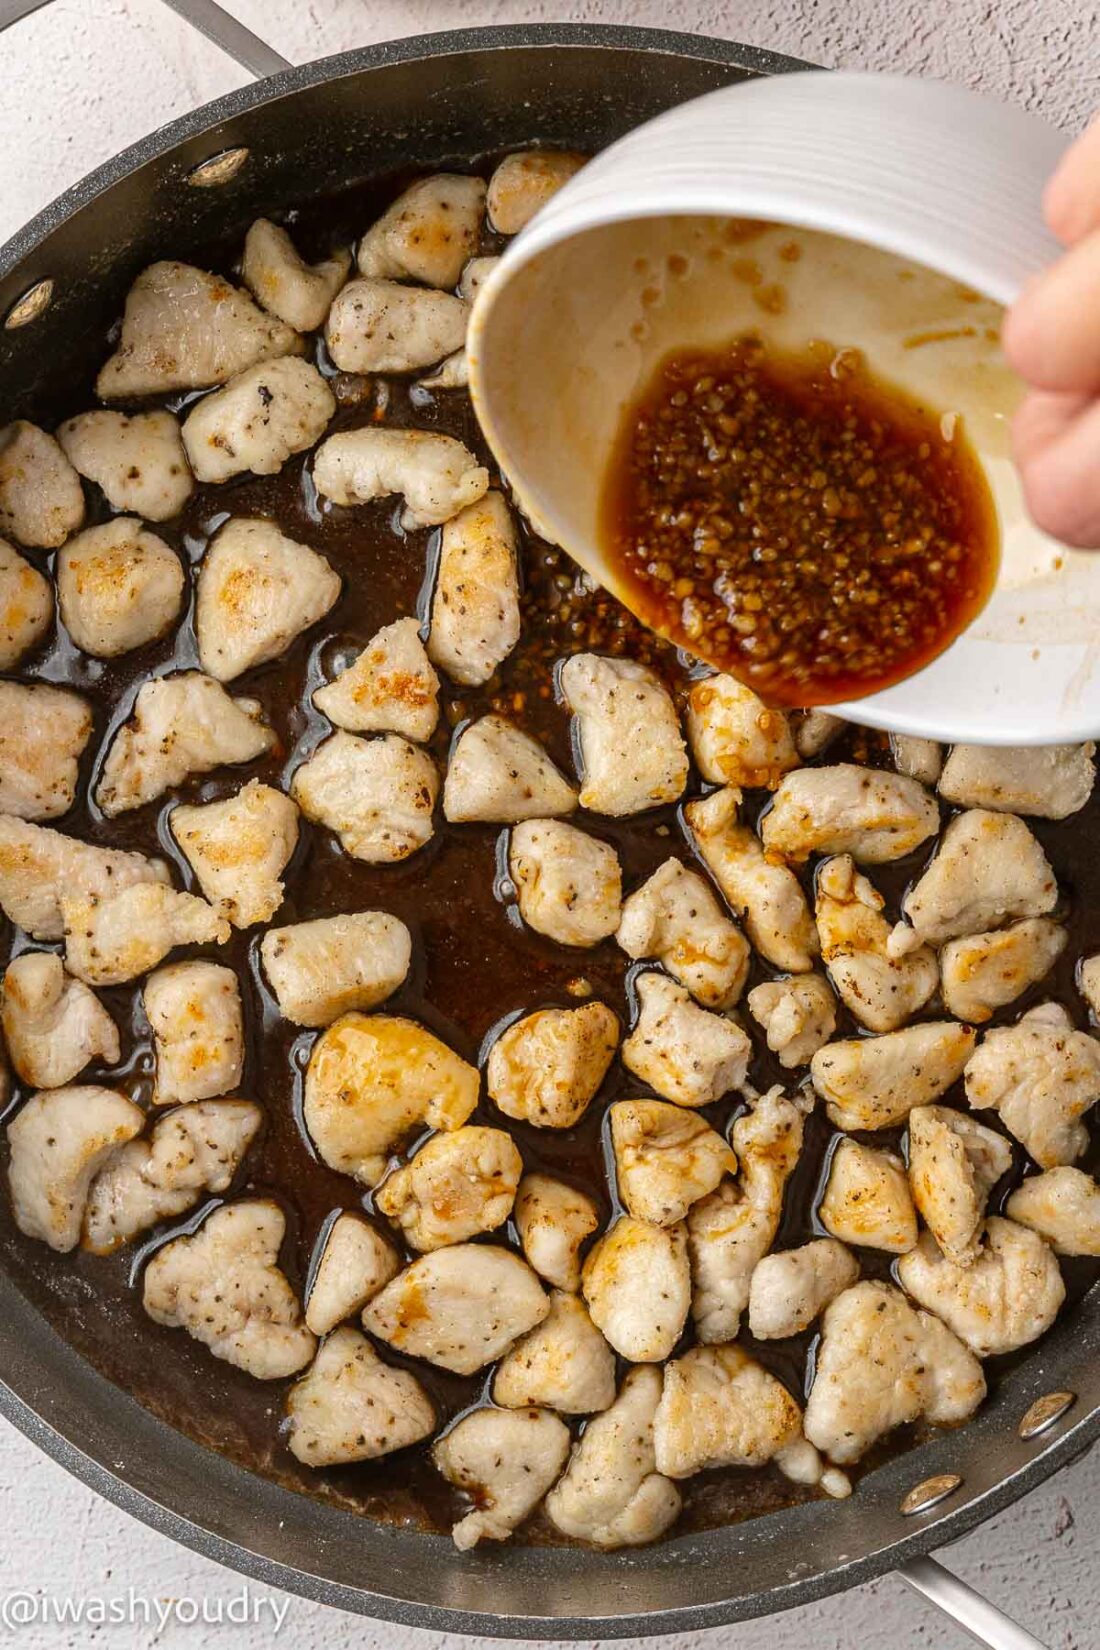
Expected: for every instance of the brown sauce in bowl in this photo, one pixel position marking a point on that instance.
(474, 964)
(796, 521)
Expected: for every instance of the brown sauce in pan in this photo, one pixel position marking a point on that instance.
(473, 964)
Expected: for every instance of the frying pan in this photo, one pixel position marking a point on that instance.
(299, 132)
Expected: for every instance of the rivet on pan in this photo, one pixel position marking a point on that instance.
(1044, 1412)
(34, 302)
(930, 1493)
(219, 169)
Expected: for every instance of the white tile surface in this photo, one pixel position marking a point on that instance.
(79, 81)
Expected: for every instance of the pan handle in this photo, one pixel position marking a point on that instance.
(206, 16)
(958, 1600)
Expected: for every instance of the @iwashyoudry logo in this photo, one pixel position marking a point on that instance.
(26, 1608)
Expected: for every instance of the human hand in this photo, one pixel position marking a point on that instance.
(1051, 338)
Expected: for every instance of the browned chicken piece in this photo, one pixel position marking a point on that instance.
(436, 475)
(257, 421)
(505, 1460)
(1006, 1298)
(848, 809)
(374, 1078)
(1042, 1076)
(118, 587)
(258, 590)
(553, 1220)
(523, 183)
(666, 1159)
(988, 869)
(53, 1025)
(460, 1307)
(377, 795)
(194, 1010)
(1063, 1206)
(41, 499)
(764, 894)
(983, 972)
(881, 1364)
(455, 1187)
(1050, 781)
(720, 1408)
(689, 1055)
(675, 918)
(798, 1015)
(428, 233)
(637, 1283)
(355, 1262)
(376, 325)
(321, 969)
(882, 991)
(874, 1082)
(475, 615)
(917, 758)
(26, 606)
(867, 1200)
(40, 866)
(632, 751)
(136, 459)
(388, 688)
(239, 848)
(43, 733)
(564, 1363)
(57, 1143)
(280, 279)
(611, 1493)
(547, 1067)
(735, 738)
(792, 1288)
(499, 775)
(568, 884)
(350, 1406)
(954, 1163)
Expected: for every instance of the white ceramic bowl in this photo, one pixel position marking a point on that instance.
(915, 208)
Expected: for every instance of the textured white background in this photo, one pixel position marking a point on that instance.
(77, 83)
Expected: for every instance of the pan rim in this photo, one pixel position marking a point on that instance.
(109, 1481)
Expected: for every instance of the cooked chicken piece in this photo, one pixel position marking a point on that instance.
(456, 1186)
(666, 1159)
(239, 848)
(191, 1151)
(882, 991)
(505, 1460)
(814, 730)
(880, 1364)
(553, 1220)
(1006, 1298)
(917, 758)
(258, 590)
(674, 917)
(983, 972)
(475, 605)
(194, 1010)
(1088, 983)
(954, 1163)
(118, 587)
(801, 1463)
(459, 1307)
(180, 725)
(279, 278)
(563, 1363)
(568, 884)
(388, 688)
(766, 896)
(114, 937)
(183, 329)
(136, 459)
(258, 420)
(350, 1406)
(610, 1494)
(720, 1408)
(41, 499)
(319, 970)
(452, 373)
(428, 233)
(631, 748)
(57, 1144)
(735, 738)
(498, 775)
(223, 1285)
(1050, 781)
(373, 1079)
(874, 1082)
(474, 275)
(26, 606)
(1041, 1076)
(798, 1015)
(637, 1283)
(43, 732)
(38, 866)
(382, 326)
(1063, 1206)
(53, 1025)
(378, 795)
(546, 1068)
(730, 1231)
(523, 183)
(689, 1055)
(867, 1201)
(988, 869)
(789, 1290)
(847, 809)
(355, 1262)
(436, 475)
